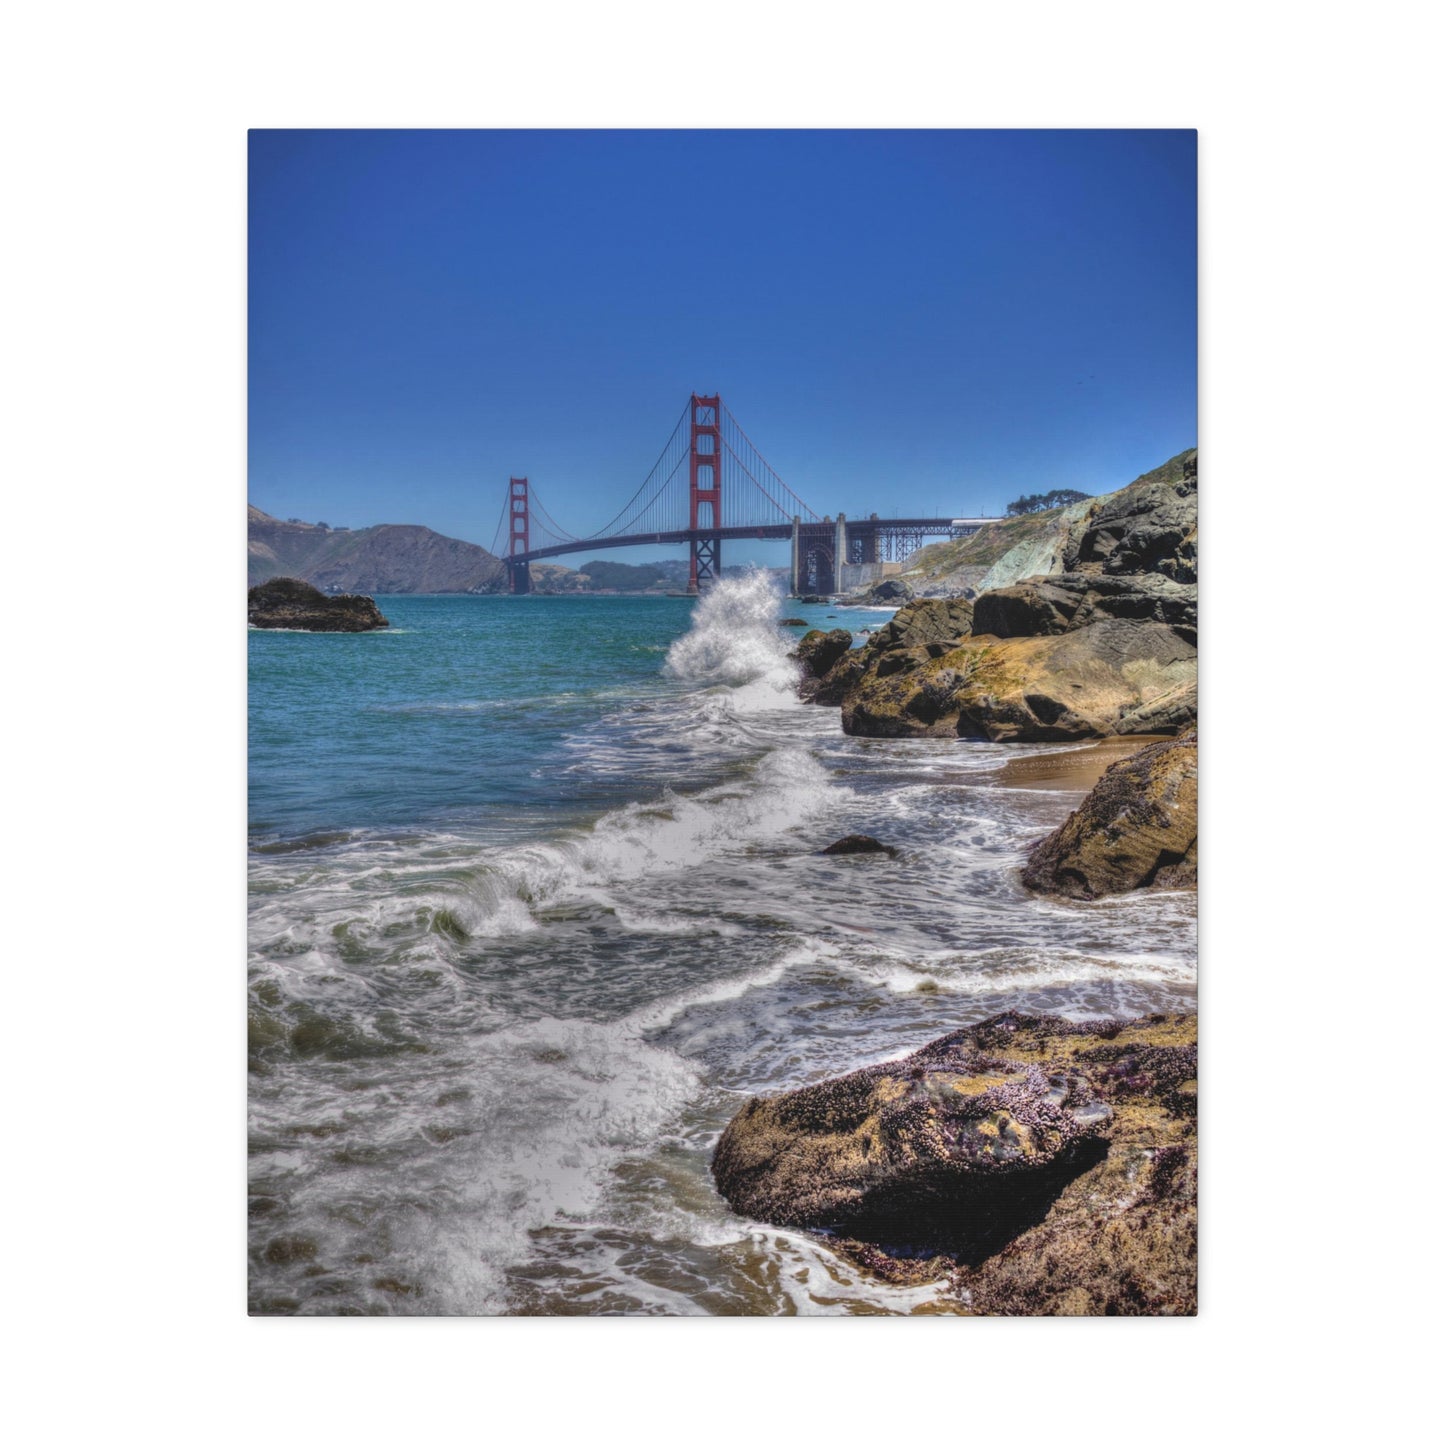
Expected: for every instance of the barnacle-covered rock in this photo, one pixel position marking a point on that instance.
(933, 1146)
(1042, 1166)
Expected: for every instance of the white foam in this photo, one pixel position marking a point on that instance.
(734, 642)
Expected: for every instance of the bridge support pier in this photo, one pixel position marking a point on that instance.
(794, 588)
(840, 551)
(519, 578)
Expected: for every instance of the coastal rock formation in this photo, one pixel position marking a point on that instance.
(1043, 605)
(285, 602)
(830, 665)
(1138, 828)
(891, 589)
(817, 650)
(1111, 678)
(830, 689)
(924, 621)
(1044, 1167)
(1102, 648)
(1151, 525)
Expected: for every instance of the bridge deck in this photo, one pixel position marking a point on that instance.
(779, 531)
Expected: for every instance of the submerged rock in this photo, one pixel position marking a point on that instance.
(1045, 1167)
(1138, 828)
(859, 843)
(285, 602)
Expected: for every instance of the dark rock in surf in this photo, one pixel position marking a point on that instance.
(935, 1143)
(285, 602)
(793, 622)
(858, 843)
(1138, 828)
(830, 689)
(891, 589)
(817, 651)
(1035, 1166)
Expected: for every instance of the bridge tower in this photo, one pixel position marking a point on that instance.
(519, 574)
(704, 492)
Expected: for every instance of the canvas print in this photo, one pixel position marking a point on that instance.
(722, 750)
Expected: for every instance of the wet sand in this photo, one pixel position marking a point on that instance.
(1077, 769)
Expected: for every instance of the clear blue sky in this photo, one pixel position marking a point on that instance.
(903, 321)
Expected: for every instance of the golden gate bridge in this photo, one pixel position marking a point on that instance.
(711, 485)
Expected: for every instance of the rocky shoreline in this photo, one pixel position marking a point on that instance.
(1040, 1166)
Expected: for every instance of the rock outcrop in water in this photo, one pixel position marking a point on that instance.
(817, 650)
(825, 661)
(1102, 645)
(285, 602)
(1138, 828)
(1047, 1167)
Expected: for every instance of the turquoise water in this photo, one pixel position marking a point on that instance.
(536, 902)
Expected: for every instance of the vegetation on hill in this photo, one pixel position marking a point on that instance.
(625, 576)
(1045, 501)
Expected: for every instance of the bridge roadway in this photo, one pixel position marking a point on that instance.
(816, 545)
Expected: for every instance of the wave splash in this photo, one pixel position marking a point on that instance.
(734, 641)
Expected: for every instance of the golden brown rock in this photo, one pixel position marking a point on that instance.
(1138, 828)
(1111, 678)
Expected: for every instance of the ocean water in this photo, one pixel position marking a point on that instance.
(536, 903)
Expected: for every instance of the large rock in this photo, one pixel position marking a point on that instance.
(920, 630)
(817, 650)
(830, 689)
(926, 1146)
(1042, 605)
(891, 589)
(1138, 828)
(1109, 679)
(930, 619)
(285, 602)
(1152, 525)
(1044, 1167)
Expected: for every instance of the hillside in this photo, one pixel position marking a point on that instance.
(381, 559)
(1033, 545)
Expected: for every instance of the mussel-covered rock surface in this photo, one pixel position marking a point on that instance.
(1040, 1166)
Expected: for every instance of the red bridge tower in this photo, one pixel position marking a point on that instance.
(519, 574)
(705, 493)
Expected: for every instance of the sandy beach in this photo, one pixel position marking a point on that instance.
(1076, 769)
